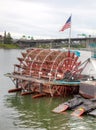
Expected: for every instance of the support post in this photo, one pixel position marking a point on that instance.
(40, 88)
(16, 83)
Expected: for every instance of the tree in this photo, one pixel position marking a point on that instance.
(7, 38)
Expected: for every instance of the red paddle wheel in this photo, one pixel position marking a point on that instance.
(47, 71)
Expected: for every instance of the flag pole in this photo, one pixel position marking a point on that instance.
(66, 26)
(69, 36)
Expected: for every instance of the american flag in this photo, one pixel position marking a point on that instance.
(67, 24)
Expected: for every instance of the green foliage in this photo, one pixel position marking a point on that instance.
(9, 46)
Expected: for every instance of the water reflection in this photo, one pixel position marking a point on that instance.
(84, 123)
(36, 113)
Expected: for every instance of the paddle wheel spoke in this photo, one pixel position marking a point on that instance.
(47, 71)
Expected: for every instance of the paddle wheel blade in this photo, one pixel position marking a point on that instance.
(20, 59)
(24, 54)
(14, 90)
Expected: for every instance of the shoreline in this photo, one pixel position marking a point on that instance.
(9, 46)
(14, 46)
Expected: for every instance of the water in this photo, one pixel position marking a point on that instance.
(24, 113)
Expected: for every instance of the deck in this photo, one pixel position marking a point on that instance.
(42, 81)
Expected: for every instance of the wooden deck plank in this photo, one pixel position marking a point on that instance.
(41, 80)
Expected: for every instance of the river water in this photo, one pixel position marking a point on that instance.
(24, 113)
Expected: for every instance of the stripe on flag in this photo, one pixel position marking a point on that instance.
(67, 24)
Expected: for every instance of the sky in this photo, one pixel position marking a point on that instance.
(42, 19)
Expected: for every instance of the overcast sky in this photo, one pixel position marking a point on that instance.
(44, 18)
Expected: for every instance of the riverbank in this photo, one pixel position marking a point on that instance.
(9, 46)
(15, 46)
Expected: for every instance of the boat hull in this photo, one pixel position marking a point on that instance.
(88, 89)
